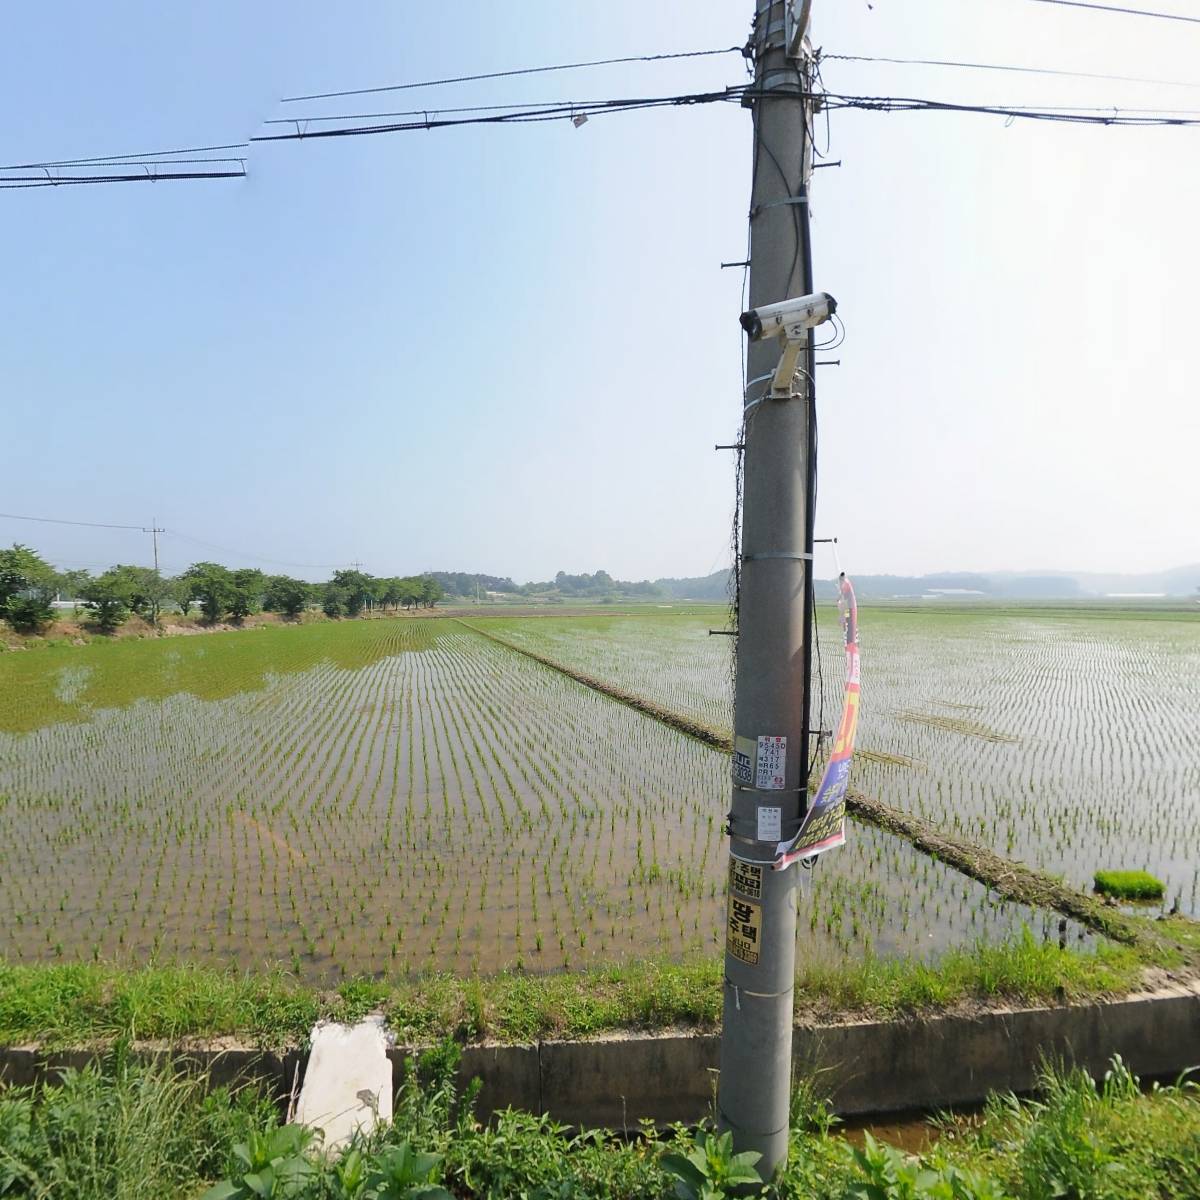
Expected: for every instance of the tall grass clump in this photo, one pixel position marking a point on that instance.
(121, 1130)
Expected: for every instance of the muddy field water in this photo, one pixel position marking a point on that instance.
(387, 797)
(1068, 739)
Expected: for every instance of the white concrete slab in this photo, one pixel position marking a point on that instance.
(348, 1082)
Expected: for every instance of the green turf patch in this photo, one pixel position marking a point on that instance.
(1129, 885)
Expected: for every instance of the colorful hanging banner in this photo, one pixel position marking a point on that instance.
(824, 825)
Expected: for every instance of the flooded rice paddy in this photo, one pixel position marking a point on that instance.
(1070, 741)
(392, 796)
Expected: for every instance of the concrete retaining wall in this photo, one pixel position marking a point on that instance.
(867, 1067)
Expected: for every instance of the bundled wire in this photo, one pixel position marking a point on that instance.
(1072, 116)
(143, 167)
(558, 111)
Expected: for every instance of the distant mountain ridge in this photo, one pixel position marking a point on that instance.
(996, 585)
(1056, 585)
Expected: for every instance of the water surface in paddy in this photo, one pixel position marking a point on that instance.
(1066, 740)
(455, 806)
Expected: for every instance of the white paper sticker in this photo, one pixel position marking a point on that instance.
(770, 822)
(771, 763)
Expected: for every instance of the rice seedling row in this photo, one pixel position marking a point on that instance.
(388, 797)
(1064, 740)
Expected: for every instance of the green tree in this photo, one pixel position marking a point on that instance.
(286, 595)
(212, 585)
(431, 591)
(28, 585)
(247, 587)
(410, 591)
(108, 598)
(391, 592)
(356, 589)
(147, 590)
(69, 583)
(333, 600)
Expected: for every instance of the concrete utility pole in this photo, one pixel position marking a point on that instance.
(154, 529)
(770, 763)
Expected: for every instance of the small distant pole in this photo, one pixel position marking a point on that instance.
(154, 530)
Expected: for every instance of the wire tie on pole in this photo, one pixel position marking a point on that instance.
(777, 204)
(772, 554)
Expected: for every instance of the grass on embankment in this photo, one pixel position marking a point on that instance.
(68, 1004)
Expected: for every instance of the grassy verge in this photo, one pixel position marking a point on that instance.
(143, 1131)
(62, 1005)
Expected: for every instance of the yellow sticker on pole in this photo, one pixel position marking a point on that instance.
(743, 933)
(746, 878)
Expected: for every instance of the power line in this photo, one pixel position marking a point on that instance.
(147, 155)
(59, 521)
(1133, 12)
(1074, 117)
(155, 166)
(16, 182)
(553, 113)
(975, 66)
(174, 533)
(257, 557)
(600, 62)
(417, 112)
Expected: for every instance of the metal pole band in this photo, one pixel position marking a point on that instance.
(758, 208)
(759, 995)
(790, 557)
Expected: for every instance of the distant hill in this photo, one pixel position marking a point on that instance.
(702, 587)
(949, 585)
(998, 585)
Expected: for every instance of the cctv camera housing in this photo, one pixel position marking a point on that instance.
(788, 318)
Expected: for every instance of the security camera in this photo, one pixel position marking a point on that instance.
(789, 319)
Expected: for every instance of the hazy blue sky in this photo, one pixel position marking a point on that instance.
(512, 349)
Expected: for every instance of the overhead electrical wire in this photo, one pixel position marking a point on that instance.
(59, 521)
(1113, 8)
(574, 66)
(173, 533)
(154, 166)
(279, 562)
(8, 183)
(159, 165)
(417, 112)
(976, 66)
(165, 156)
(556, 112)
(1106, 116)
